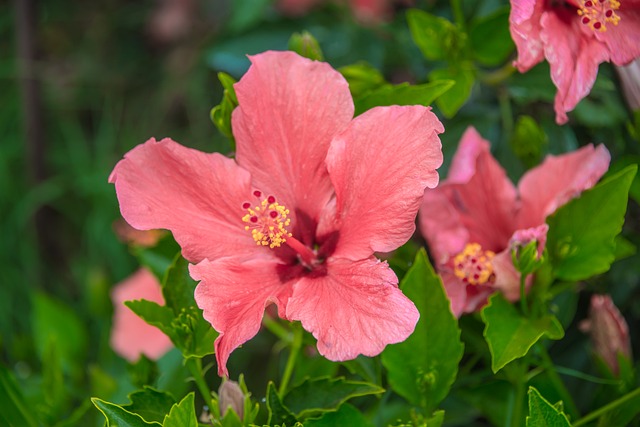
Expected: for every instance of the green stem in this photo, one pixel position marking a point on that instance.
(547, 363)
(296, 345)
(277, 329)
(195, 367)
(516, 414)
(458, 16)
(606, 408)
(523, 295)
(496, 77)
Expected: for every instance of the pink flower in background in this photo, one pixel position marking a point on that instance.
(574, 36)
(474, 218)
(130, 335)
(295, 220)
(609, 331)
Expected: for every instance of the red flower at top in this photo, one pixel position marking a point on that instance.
(574, 36)
(472, 220)
(296, 218)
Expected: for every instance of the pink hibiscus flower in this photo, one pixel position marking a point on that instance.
(130, 335)
(296, 218)
(474, 218)
(575, 36)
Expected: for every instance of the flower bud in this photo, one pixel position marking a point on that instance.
(230, 396)
(609, 331)
(527, 248)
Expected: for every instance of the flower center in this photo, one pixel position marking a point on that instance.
(267, 221)
(473, 265)
(596, 13)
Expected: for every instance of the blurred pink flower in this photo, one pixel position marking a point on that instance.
(574, 36)
(609, 331)
(130, 335)
(473, 219)
(296, 218)
(131, 236)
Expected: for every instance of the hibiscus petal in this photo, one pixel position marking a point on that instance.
(233, 293)
(198, 196)
(573, 58)
(524, 24)
(441, 225)
(456, 292)
(290, 109)
(486, 204)
(557, 180)
(356, 308)
(507, 277)
(380, 167)
(463, 164)
(130, 335)
(623, 40)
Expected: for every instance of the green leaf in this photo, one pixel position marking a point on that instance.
(436, 419)
(178, 286)
(151, 404)
(159, 257)
(306, 45)
(221, 113)
(490, 39)
(346, 415)
(315, 396)
(624, 248)
(182, 414)
(544, 414)
(154, 314)
(278, 413)
(195, 336)
(15, 409)
(623, 414)
(188, 331)
(362, 78)
(493, 398)
(53, 378)
(463, 75)
(528, 141)
(143, 371)
(403, 94)
(437, 38)
(509, 335)
(581, 238)
(55, 322)
(246, 13)
(422, 368)
(118, 417)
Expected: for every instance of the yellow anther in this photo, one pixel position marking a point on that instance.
(473, 265)
(596, 13)
(267, 222)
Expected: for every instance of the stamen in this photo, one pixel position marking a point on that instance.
(473, 265)
(267, 221)
(596, 14)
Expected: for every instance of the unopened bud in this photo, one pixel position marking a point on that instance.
(609, 331)
(527, 248)
(230, 396)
